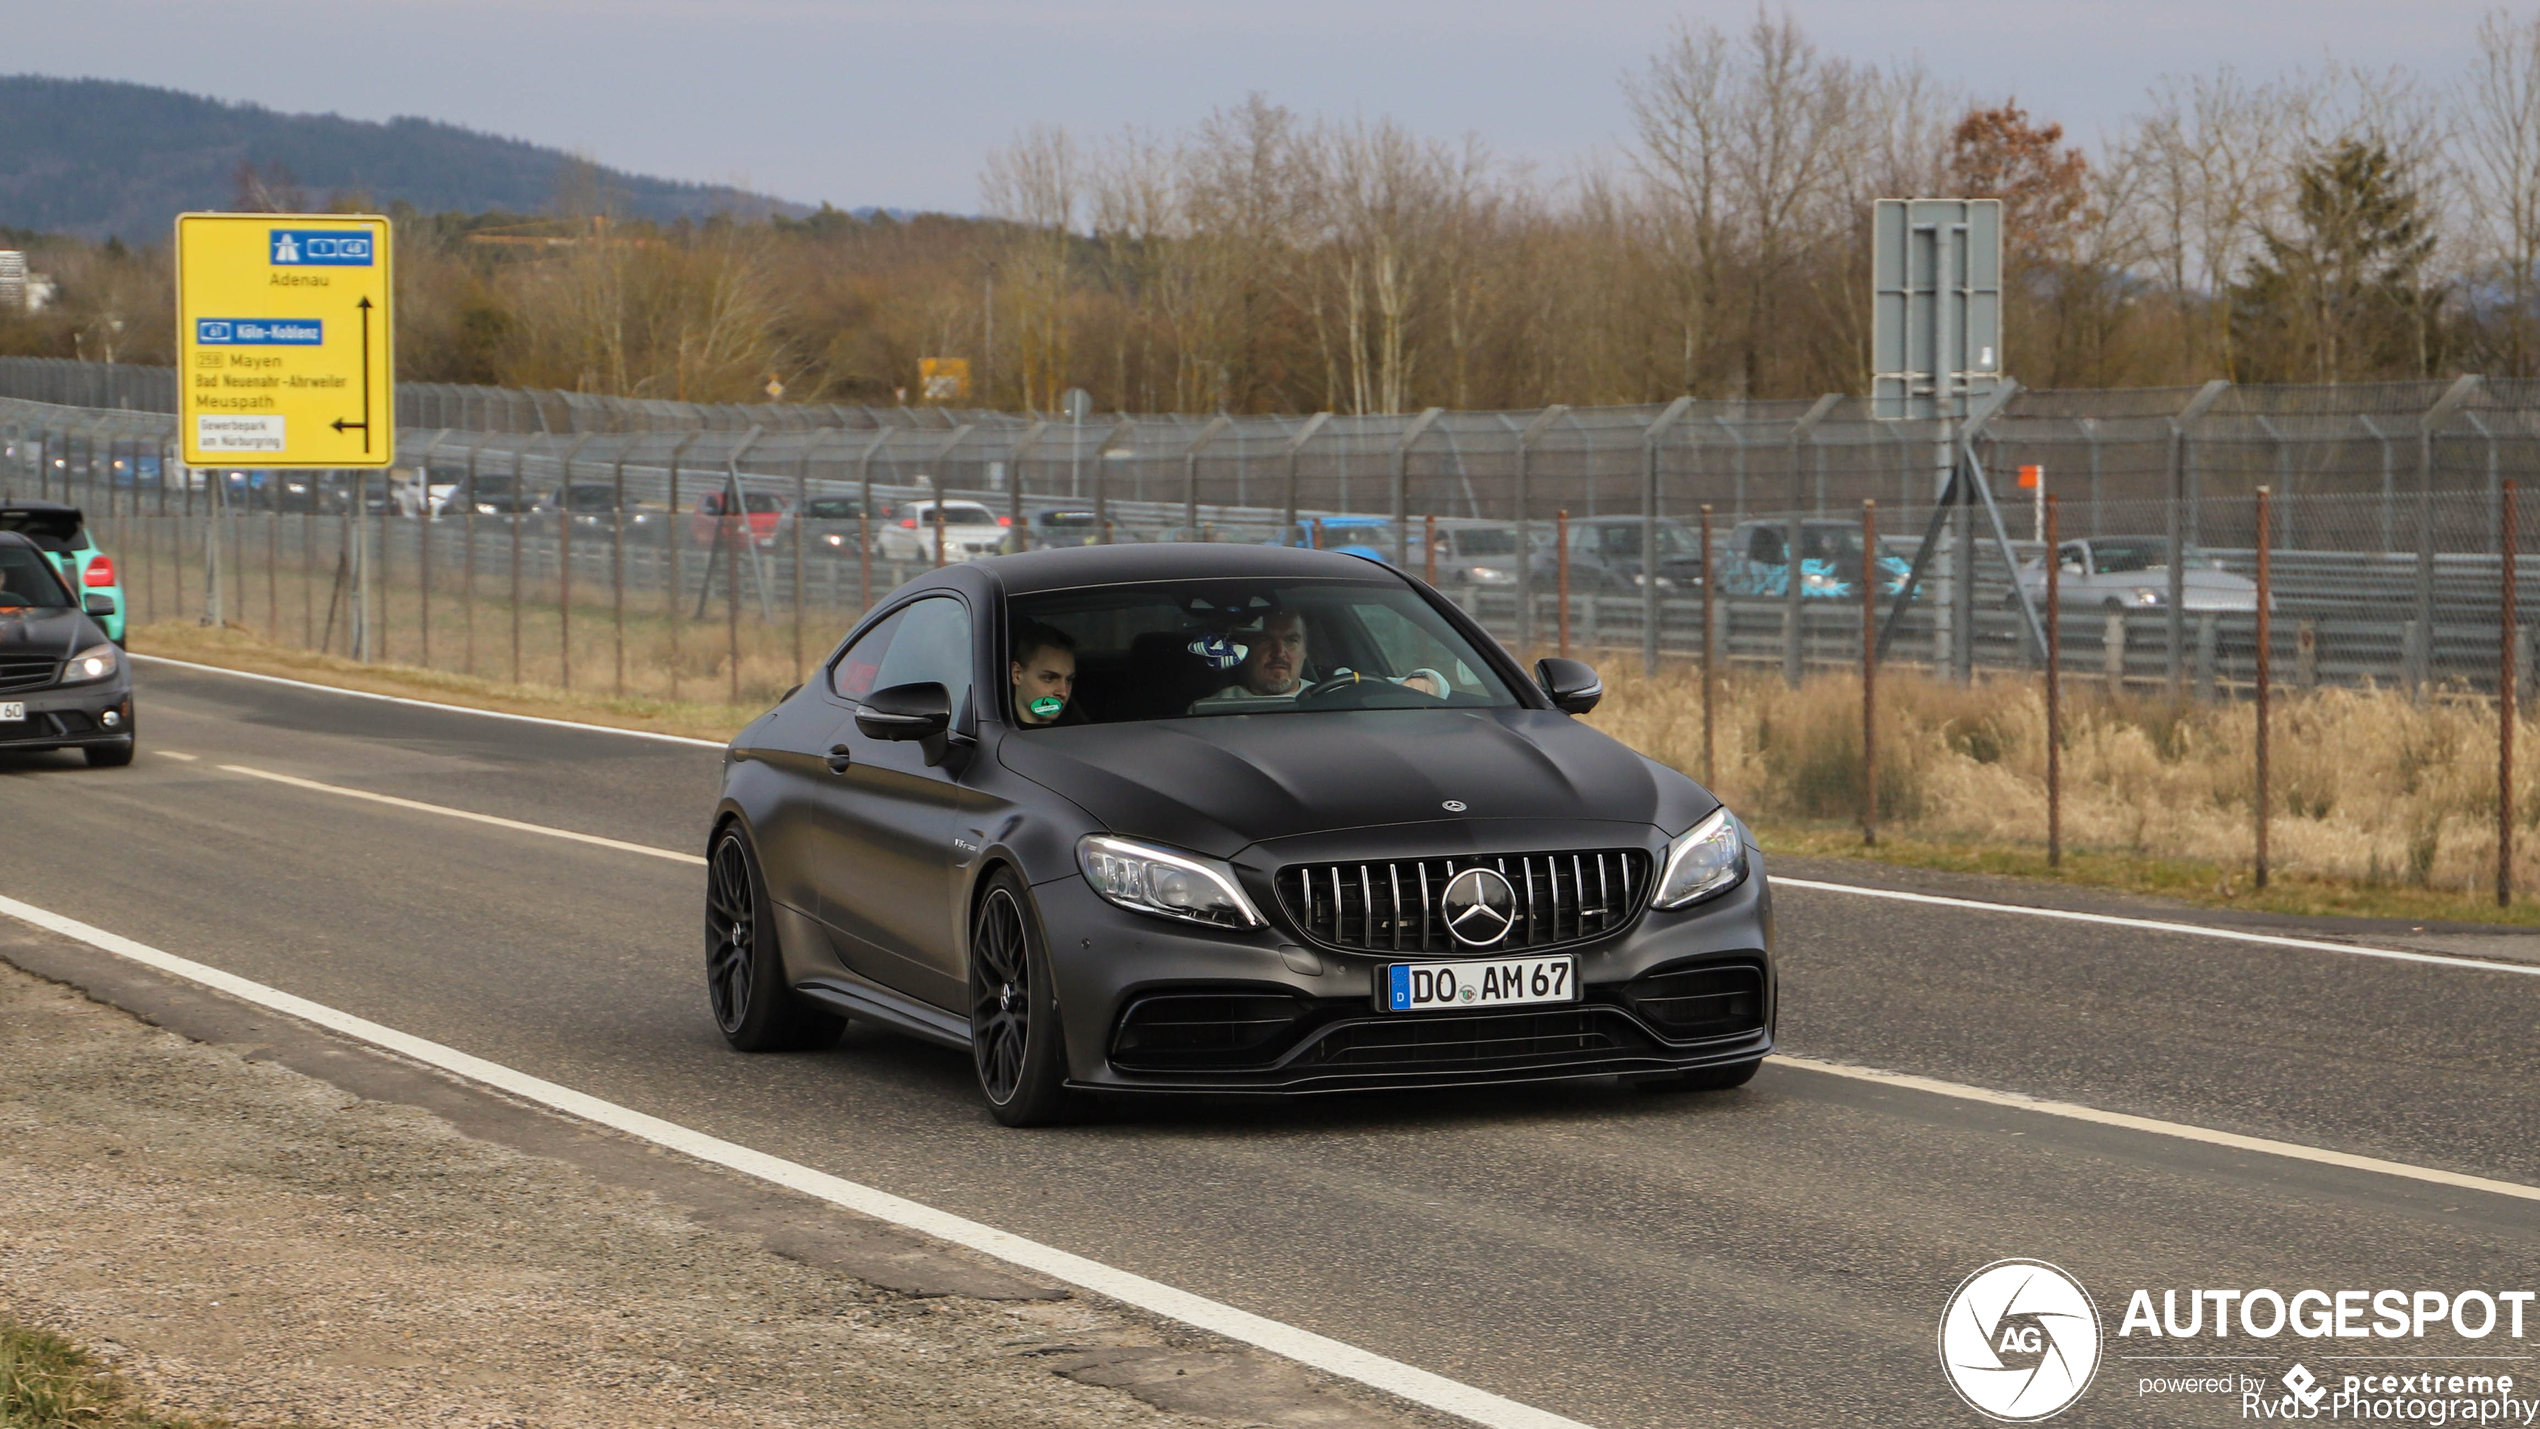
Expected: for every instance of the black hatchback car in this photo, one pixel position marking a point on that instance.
(63, 684)
(1224, 819)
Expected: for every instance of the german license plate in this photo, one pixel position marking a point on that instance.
(1497, 982)
(13, 713)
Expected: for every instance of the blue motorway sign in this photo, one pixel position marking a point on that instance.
(259, 332)
(320, 248)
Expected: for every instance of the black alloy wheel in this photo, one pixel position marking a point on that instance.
(1015, 1036)
(745, 972)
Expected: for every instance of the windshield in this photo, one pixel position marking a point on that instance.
(1174, 650)
(26, 578)
(831, 508)
(2140, 553)
(1622, 539)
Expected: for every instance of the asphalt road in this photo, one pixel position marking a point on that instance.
(1777, 1255)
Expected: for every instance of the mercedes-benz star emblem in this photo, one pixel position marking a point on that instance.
(1453, 806)
(1480, 907)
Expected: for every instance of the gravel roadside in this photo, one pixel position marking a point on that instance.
(242, 1240)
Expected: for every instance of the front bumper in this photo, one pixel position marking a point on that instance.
(70, 718)
(1673, 991)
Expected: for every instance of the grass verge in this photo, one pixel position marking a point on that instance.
(47, 1382)
(2186, 880)
(235, 648)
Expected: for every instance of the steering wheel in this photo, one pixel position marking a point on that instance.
(1375, 686)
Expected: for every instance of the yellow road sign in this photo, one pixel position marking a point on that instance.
(285, 351)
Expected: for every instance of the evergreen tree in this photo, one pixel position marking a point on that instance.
(2345, 295)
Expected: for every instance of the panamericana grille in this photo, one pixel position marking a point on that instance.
(27, 672)
(1394, 906)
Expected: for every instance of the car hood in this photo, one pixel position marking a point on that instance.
(59, 633)
(1218, 784)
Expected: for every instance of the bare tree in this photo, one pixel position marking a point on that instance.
(1035, 184)
(2498, 158)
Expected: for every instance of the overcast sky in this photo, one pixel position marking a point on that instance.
(858, 102)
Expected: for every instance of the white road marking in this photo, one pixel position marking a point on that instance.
(1304, 1346)
(2195, 930)
(2180, 1130)
(172, 754)
(471, 816)
(434, 705)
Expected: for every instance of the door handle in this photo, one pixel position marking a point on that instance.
(841, 758)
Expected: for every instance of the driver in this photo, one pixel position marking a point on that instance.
(1273, 669)
(1044, 676)
(1273, 666)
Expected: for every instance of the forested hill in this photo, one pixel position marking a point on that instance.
(101, 158)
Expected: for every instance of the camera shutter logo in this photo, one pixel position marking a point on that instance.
(2019, 1341)
(1480, 907)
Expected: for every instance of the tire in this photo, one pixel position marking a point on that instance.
(110, 756)
(1704, 1079)
(745, 966)
(1016, 1042)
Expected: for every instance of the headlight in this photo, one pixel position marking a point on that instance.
(2145, 595)
(1709, 859)
(1488, 573)
(1819, 580)
(835, 540)
(1146, 879)
(94, 663)
(485, 508)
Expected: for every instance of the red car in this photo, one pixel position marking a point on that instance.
(765, 510)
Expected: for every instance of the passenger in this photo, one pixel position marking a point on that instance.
(1044, 674)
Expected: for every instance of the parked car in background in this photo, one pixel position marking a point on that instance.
(834, 525)
(1367, 536)
(2133, 573)
(1756, 561)
(507, 497)
(1062, 526)
(61, 533)
(971, 530)
(1477, 555)
(1605, 556)
(765, 512)
(593, 506)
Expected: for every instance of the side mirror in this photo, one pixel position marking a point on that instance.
(97, 603)
(906, 712)
(1572, 684)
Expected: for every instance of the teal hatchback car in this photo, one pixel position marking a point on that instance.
(61, 533)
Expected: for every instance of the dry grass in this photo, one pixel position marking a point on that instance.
(48, 1382)
(2381, 803)
(241, 648)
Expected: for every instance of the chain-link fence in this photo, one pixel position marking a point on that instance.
(654, 547)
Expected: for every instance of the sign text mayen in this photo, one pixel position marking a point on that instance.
(287, 354)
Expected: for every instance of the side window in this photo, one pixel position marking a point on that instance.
(857, 673)
(932, 645)
(1764, 546)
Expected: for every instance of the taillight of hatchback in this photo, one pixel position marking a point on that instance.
(101, 571)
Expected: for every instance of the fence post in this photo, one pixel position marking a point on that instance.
(1649, 606)
(1710, 659)
(1295, 455)
(2266, 636)
(1561, 532)
(2180, 522)
(2461, 390)
(1190, 477)
(1429, 549)
(617, 562)
(1794, 593)
(1402, 483)
(2053, 534)
(1869, 673)
(2508, 543)
(1525, 527)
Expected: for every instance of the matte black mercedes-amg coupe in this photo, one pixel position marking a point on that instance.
(1224, 819)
